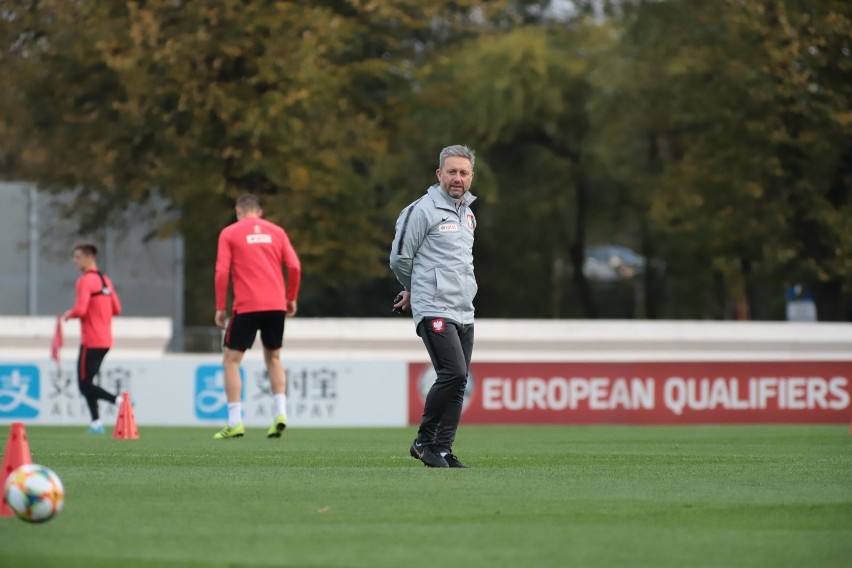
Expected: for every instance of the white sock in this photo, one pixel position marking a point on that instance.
(235, 414)
(97, 423)
(280, 404)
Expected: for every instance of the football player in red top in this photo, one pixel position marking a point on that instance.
(253, 254)
(96, 303)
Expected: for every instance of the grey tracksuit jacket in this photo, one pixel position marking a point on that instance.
(432, 256)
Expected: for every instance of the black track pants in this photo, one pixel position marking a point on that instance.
(88, 367)
(450, 346)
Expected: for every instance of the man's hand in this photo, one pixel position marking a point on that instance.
(66, 316)
(220, 318)
(292, 308)
(402, 303)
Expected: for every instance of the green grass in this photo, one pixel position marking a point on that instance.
(534, 497)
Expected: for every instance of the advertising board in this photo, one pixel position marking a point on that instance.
(191, 391)
(648, 392)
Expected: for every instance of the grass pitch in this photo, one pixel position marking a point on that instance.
(534, 497)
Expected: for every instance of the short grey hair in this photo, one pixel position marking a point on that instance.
(457, 151)
(248, 202)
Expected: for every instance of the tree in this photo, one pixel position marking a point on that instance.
(742, 106)
(712, 135)
(198, 102)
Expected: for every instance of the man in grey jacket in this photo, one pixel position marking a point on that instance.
(432, 257)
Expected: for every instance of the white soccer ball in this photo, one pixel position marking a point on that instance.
(34, 493)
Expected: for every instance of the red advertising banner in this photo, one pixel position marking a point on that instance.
(801, 392)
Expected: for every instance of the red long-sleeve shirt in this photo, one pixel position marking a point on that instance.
(95, 309)
(252, 252)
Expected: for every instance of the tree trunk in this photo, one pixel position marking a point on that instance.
(830, 302)
(746, 302)
(577, 249)
(652, 293)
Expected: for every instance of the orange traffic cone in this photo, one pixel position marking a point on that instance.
(17, 454)
(125, 424)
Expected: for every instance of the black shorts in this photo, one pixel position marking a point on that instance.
(243, 328)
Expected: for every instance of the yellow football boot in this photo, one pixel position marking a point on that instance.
(277, 427)
(230, 432)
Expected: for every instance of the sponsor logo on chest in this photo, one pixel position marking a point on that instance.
(448, 227)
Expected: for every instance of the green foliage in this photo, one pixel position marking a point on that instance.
(737, 130)
(202, 101)
(711, 136)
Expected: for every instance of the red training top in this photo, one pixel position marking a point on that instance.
(95, 309)
(252, 252)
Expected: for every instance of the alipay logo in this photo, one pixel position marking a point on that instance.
(211, 402)
(20, 391)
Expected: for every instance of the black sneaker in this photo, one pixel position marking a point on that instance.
(416, 450)
(432, 459)
(453, 461)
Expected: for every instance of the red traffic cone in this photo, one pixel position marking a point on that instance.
(17, 454)
(125, 424)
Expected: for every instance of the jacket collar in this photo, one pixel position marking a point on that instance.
(442, 199)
